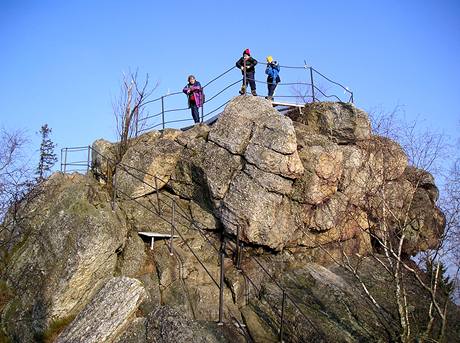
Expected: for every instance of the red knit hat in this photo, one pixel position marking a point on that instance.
(247, 52)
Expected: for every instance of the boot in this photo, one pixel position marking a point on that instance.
(243, 90)
(253, 92)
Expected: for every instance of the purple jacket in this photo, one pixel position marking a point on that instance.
(197, 91)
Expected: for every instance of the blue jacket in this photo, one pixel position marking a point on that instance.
(273, 70)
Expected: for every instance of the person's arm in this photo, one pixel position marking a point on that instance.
(196, 87)
(253, 62)
(186, 89)
(269, 71)
(239, 63)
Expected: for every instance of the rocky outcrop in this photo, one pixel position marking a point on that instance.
(103, 154)
(108, 313)
(342, 123)
(167, 325)
(277, 181)
(148, 163)
(255, 204)
(67, 252)
(295, 190)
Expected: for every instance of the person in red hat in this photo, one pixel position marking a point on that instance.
(247, 65)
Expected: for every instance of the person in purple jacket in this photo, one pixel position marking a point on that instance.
(195, 97)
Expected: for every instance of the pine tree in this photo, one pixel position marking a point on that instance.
(47, 156)
(445, 284)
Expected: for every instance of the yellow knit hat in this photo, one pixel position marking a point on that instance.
(269, 59)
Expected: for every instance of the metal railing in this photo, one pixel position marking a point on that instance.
(169, 110)
(225, 250)
(311, 91)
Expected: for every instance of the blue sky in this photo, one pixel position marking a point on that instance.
(62, 61)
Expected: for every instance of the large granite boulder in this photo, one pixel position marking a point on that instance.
(103, 156)
(342, 123)
(386, 157)
(258, 215)
(148, 163)
(254, 202)
(234, 128)
(323, 164)
(66, 254)
(108, 314)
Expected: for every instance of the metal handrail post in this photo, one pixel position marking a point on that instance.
(163, 112)
(172, 227)
(312, 84)
(238, 247)
(107, 170)
(61, 159)
(202, 107)
(282, 316)
(221, 288)
(158, 194)
(65, 160)
(114, 191)
(88, 160)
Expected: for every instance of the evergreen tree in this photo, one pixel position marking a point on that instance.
(445, 284)
(47, 156)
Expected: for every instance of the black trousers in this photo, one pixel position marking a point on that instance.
(250, 78)
(271, 88)
(195, 112)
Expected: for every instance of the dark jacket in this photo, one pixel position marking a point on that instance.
(250, 64)
(273, 70)
(197, 92)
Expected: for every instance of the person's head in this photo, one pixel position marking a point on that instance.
(246, 54)
(191, 79)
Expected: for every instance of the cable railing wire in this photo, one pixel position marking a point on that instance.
(218, 77)
(65, 151)
(175, 231)
(150, 210)
(221, 90)
(266, 272)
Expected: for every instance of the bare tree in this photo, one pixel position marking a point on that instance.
(303, 92)
(129, 109)
(14, 170)
(396, 224)
(450, 204)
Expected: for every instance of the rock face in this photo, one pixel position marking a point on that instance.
(255, 200)
(340, 122)
(169, 326)
(147, 164)
(295, 191)
(108, 313)
(67, 252)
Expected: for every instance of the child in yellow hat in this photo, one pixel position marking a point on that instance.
(273, 77)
